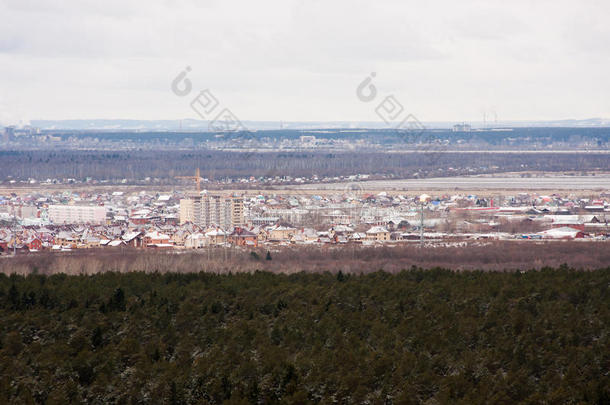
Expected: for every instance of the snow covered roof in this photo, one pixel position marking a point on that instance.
(130, 235)
(562, 232)
(216, 232)
(156, 235)
(377, 229)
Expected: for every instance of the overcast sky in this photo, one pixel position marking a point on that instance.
(303, 60)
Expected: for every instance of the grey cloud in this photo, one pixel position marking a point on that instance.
(302, 59)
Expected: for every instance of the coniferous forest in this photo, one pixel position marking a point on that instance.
(417, 336)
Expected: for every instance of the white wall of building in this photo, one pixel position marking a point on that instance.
(77, 214)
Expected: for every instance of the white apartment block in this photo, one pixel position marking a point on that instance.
(188, 212)
(212, 210)
(77, 214)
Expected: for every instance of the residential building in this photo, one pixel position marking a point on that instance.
(157, 239)
(281, 233)
(195, 241)
(243, 237)
(212, 210)
(77, 214)
(378, 233)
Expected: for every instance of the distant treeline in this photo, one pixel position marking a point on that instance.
(166, 164)
(487, 256)
(516, 136)
(415, 337)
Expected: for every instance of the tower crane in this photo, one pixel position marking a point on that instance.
(196, 177)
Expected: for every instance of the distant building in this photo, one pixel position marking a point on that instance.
(28, 212)
(28, 130)
(133, 239)
(190, 210)
(195, 241)
(281, 233)
(564, 232)
(20, 211)
(243, 237)
(463, 127)
(308, 140)
(378, 233)
(263, 221)
(77, 214)
(212, 210)
(8, 133)
(157, 239)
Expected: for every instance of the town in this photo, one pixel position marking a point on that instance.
(64, 221)
(304, 202)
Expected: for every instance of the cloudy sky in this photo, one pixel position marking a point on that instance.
(303, 60)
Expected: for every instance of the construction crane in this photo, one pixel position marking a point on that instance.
(196, 177)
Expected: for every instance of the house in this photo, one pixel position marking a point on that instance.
(243, 237)
(378, 233)
(116, 243)
(340, 239)
(179, 237)
(90, 242)
(155, 238)
(195, 240)
(357, 237)
(341, 232)
(261, 233)
(170, 219)
(304, 236)
(33, 243)
(140, 219)
(569, 223)
(66, 239)
(216, 236)
(133, 239)
(280, 233)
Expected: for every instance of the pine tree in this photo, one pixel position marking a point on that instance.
(117, 302)
(13, 296)
(96, 337)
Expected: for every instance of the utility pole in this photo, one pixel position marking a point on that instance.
(421, 226)
(422, 200)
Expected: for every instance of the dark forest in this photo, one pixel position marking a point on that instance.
(432, 336)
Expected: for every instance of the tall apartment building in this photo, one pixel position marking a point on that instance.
(212, 210)
(77, 214)
(190, 209)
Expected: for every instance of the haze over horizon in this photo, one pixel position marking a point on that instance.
(302, 61)
(204, 125)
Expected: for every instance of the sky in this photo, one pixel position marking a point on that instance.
(304, 60)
